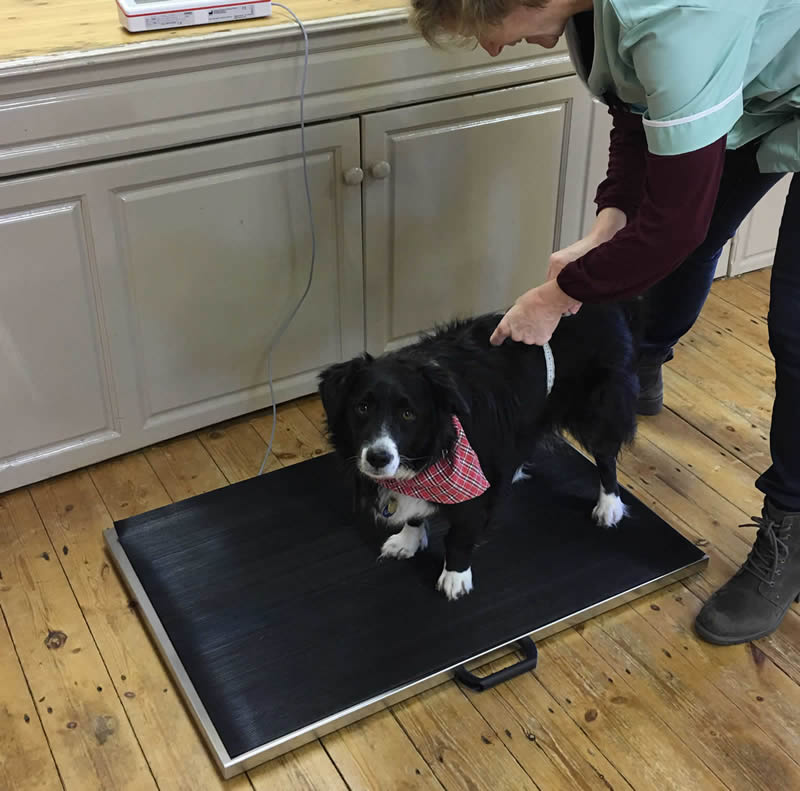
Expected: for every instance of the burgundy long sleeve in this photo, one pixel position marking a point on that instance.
(624, 182)
(675, 196)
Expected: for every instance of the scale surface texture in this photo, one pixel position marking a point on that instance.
(268, 602)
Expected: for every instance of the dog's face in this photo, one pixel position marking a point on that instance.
(389, 416)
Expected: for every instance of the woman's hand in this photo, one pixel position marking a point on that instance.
(561, 258)
(606, 225)
(535, 315)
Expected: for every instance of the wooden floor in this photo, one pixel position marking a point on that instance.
(631, 700)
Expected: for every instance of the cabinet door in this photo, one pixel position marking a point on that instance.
(146, 292)
(56, 395)
(755, 241)
(597, 166)
(465, 199)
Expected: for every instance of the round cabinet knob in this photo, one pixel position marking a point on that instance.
(353, 176)
(380, 170)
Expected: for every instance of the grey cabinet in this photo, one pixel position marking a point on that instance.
(139, 297)
(465, 199)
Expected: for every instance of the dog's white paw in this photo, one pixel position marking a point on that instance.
(609, 510)
(455, 583)
(405, 544)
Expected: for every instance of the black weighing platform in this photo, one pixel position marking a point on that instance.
(279, 625)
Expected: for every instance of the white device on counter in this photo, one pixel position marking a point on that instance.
(141, 15)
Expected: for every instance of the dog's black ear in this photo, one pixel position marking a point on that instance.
(334, 385)
(446, 392)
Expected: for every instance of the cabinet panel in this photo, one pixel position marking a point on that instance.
(211, 249)
(200, 257)
(479, 192)
(597, 165)
(215, 263)
(758, 234)
(53, 386)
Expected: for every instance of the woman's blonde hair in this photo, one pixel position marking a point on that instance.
(462, 20)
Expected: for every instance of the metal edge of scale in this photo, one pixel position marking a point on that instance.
(230, 767)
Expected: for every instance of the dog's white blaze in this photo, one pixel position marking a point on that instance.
(409, 509)
(609, 509)
(406, 543)
(520, 475)
(386, 444)
(455, 583)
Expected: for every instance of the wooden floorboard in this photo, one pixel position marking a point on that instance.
(462, 749)
(26, 756)
(766, 697)
(633, 736)
(90, 735)
(746, 297)
(731, 744)
(75, 511)
(631, 700)
(746, 329)
(759, 279)
(548, 743)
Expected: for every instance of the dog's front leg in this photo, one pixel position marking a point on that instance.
(466, 521)
(405, 544)
(395, 509)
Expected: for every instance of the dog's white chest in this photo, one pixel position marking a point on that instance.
(398, 509)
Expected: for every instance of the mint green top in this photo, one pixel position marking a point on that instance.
(702, 70)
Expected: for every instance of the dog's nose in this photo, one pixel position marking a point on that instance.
(378, 457)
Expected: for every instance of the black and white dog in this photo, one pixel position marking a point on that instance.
(452, 399)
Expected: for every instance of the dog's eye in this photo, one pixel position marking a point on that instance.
(408, 414)
(362, 408)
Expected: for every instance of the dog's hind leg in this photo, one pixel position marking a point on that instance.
(609, 509)
(607, 423)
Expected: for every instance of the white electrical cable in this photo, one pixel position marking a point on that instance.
(286, 323)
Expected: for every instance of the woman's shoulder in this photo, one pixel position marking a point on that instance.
(632, 13)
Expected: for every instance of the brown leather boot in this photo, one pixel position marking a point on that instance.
(753, 602)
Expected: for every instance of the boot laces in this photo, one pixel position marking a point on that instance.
(769, 550)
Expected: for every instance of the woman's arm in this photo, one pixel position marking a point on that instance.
(622, 259)
(619, 194)
(627, 150)
(691, 64)
(672, 220)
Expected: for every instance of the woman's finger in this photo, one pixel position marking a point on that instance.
(500, 333)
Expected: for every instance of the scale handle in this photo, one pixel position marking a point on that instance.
(481, 684)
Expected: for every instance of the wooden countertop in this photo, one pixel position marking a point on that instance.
(30, 28)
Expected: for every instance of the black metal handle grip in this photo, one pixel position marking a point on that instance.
(480, 684)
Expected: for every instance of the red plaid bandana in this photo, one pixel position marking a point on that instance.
(449, 480)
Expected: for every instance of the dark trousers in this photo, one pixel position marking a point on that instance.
(675, 303)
